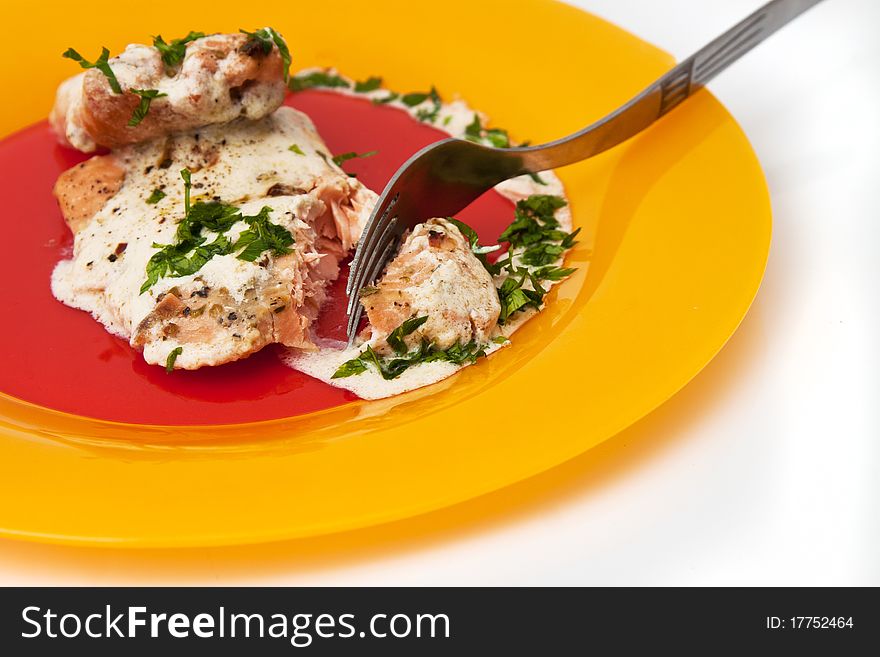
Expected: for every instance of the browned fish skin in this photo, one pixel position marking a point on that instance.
(84, 189)
(436, 274)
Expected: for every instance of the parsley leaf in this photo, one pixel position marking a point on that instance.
(102, 64)
(147, 96)
(424, 114)
(344, 157)
(395, 338)
(391, 368)
(187, 185)
(262, 235)
(190, 252)
(350, 368)
(173, 53)
(552, 273)
(370, 84)
(156, 196)
(317, 79)
(479, 251)
(495, 137)
(172, 358)
(296, 149)
(390, 98)
(262, 40)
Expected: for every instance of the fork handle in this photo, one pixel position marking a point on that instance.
(666, 93)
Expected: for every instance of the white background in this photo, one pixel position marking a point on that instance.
(765, 470)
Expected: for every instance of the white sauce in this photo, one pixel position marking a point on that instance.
(255, 156)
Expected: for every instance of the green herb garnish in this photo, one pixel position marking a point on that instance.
(317, 79)
(102, 64)
(424, 114)
(262, 235)
(396, 338)
(391, 368)
(390, 98)
(370, 84)
(190, 252)
(479, 251)
(476, 133)
(147, 96)
(296, 149)
(262, 40)
(156, 196)
(174, 52)
(344, 157)
(172, 358)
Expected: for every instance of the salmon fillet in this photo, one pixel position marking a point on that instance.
(219, 79)
(123, 207)
(434, 274)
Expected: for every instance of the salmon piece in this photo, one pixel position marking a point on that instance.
(435, 273)
(230, 307)
(84, 189)
(220, 79)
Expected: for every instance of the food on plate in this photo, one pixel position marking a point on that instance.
(218, 219)
(147, 92)
(235, 256)
(435, 275)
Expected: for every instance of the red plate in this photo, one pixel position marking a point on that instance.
(61, 358)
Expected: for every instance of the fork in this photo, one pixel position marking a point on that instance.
(445, 177)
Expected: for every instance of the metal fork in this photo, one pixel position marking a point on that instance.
(445, 177)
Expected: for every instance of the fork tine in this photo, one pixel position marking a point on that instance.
(374, 228)
(385, 248)
(364, 273)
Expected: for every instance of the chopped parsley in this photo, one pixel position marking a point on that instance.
(191, 251)
(392, 367)
(396, 338)
(351, 155)
(390, 98)
(262, 235)
(156, 196)
(536, 242)
(102, 64)
(262, 41)
(172, 358)
(370, 84)
(296, 149)
(534, 234)
(479, 251)
(317, 79)
(147, 96)
(173, 53)
(476, 133)
(424, 114)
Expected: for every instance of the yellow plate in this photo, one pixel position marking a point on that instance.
(676, 233)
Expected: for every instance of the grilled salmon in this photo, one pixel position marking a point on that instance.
(265, 178)
(434, 274)
(220, 78)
